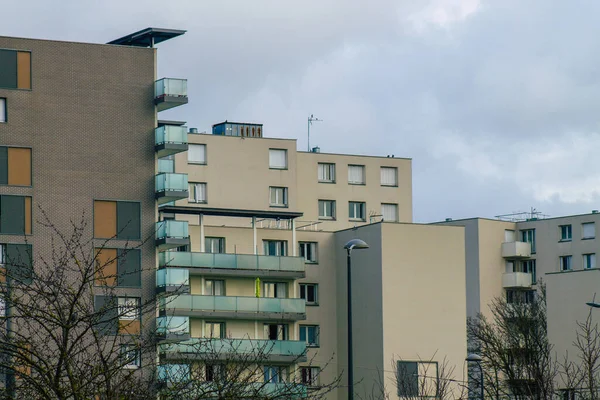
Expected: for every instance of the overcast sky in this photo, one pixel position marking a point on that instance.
(496, 101)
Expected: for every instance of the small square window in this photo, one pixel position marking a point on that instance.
(327, 172)
(197, 153)
(566, 263)
(308, 250)
(566, 233)
(588, 230)
(589, 261)
(310, 293)
(389, 176)
(310, 376)
(197, 193)
(326, 209)
(129, 308)
(310, 335)
(278, 196)
(389, 212)
(277, 159)
(356, 211)
(131, 356)
(356, 174)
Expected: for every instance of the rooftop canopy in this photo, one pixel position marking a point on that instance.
(147, 37)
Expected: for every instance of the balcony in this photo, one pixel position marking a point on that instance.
(230, 350)
(170, 139)
(171, 234)
(514, 280)
(235, 307)
(172, 280)
(166, 165)
(173, 329)
(171, 187)
(169, 93)
(516, 250)
(250, 265)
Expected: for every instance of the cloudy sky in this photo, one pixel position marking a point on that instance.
(496, 101)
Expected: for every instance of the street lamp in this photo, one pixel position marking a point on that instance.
(351, 245)
(593, 304)
(476, 358)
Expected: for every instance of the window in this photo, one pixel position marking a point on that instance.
(15, 69)
(15, 215)
(568, 394)
(310, 376)
(214, 245)
(275, 374)
(310, 293)
(326, 209)
(275, 290)
(308, 250)
(566, 233)
(529, 267)
(3, 112)
(215, 372)
(588, 230)
(15, 165)
(589, 261)
(215, 330)
(129, 308)
(213, 287)
(118, 267)
(275, 247)
(389, 212)
(520, 296)
(131, 357)
(356, 174)
(389, 176)
(197, 193)
(327, 172)
(407, 378)
(277, 159)
(117, 219)
(196, 153)
(528, 236)
(276, 331)
(509, 235)
(278, 196)
(566, 263)
(356, 210)
(16, 262)
(310, 335)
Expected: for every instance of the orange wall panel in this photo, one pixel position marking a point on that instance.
(24, 70)
(19, 166)
(106, 267)
(105, 219)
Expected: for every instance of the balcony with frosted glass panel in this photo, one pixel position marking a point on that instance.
(173, 329)
(278, 351)
(221, 264)
(517, 280)
(172, 281)
(234, 307)
(171, 187)
(169, 93)
(171, 234)
(516, 250)
(170, 139)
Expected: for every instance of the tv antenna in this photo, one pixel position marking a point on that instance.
(311, 119)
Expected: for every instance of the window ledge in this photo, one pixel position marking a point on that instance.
(278, 168)
(327, 218)
(312, 304)
(588, 238)
(311, 262)
(197, 162)
(357, 183)
(333, 182)
(565, 240)
(357, 219)
(278, 205)
(390, 186)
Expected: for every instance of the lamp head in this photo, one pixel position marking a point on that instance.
(593, 304)
(474, 358)
(356, 244)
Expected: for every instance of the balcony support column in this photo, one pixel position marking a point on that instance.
(202, 241)
(254, 237)
(294, 244)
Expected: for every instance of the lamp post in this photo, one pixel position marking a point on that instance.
(351, 245)
(476, 358)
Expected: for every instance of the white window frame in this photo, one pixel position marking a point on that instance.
(131, 362)
(312, 374)
(352, 180)
(281, 249)
(214, 286)
(395, 206)
(219, 241)
(384, 177)
(326, 172)
(314, 248)
(199, 160)
(362, 206)
(589, 261)
(194, 190)
(316, 291)
(591, 234)
(324, 216)
(3, 110)
(566, 261)
(566, 232)
(208, 325)
(274, 159)
(281, 196)
(317, 334)
(129, 308)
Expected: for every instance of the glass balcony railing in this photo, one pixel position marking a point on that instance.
(170, 87)
(171, 182)
(173, 325)
(231, 261)
(166, 166)
(234, 304)
(172, 229)
(170, 134)
(172, 277)
(174, 373)
(242, 347)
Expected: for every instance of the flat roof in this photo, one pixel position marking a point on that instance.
(147, 37)
(229, 212)
(162, 122)
(237, 123)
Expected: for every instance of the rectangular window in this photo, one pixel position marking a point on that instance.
(407, 379)
(356, 174)
(356, 210)
(117, 219)
(310, 376)
(276, 331)
(277, 159)
(15, 69)
(214, 245)
(276, 290)
(213, 287)
(215, 330)
(197, 193)
(118, 267)
(131, 356)
(3, 112)
(389, 212)
(589, 261)
(278, 196)
(509, 235)
(308, 250)
(520, 296)
(530, 267)
(15, 166)
(326, 209)
(389, 176)
(528, 236)
(16, 263)
(15, 215)
(275, 247)
(566, 263)
(327, 172)
(129, 308)
(310, 293)
(275, 374)
(566, 232)
(310, 335)
(196, 153)
(588, 230)
(216, 372)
